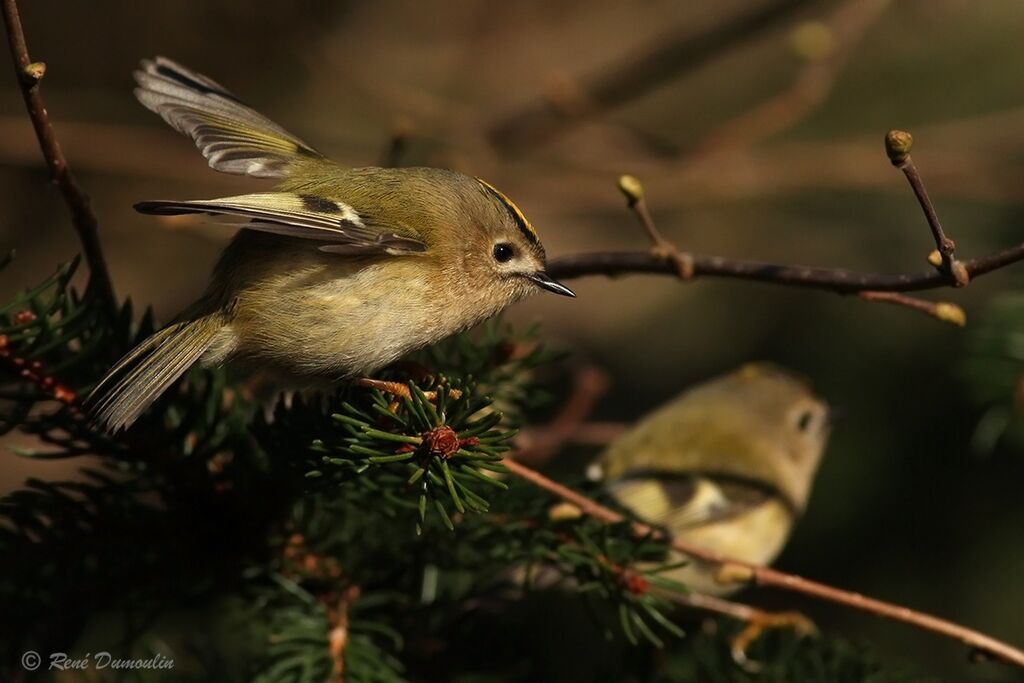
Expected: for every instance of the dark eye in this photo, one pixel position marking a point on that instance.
(803, 422)
(503, 253)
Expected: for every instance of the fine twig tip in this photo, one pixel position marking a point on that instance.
(632, 188)
(897, 145)
(34, 72)
(950, 313)
(942, 310)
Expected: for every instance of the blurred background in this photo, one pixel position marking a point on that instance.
(757, 129)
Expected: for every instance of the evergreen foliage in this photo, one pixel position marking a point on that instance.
(353, 535)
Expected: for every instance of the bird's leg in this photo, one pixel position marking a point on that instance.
(757, 622)
(760, 621)
(399, 389)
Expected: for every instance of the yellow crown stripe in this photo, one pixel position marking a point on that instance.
(517, 214)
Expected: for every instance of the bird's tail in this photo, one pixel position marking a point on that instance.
(232, 136)
(146, 372)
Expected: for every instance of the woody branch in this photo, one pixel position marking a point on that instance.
(29, 75)
(735, 571)
(665, 259)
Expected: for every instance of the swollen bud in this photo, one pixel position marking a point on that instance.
(34, 72)
(897, 146)
(632, 189)
(950, 313)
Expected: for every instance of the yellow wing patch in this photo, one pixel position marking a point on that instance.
(517, 214)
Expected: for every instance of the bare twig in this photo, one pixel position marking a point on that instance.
(83, 219)
(836, 280)
(666, 59)
(661, 247)
(735, 571)
(897, 146)
(870, 285)
(943, 310)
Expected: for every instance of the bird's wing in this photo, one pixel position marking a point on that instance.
(233, 137)
(686, 501)
(337, 225)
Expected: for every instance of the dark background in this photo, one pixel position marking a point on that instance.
(903, 508)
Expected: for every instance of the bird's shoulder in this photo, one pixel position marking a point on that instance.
(411, 201)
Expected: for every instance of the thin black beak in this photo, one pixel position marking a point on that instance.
(542, 279)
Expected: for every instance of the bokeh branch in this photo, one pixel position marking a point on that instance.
(666, 59)
(827, 47)
(83, 219)
(735, 571)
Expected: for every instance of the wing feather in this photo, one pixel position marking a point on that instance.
(688, 501)
(232, 136)
(336, 224)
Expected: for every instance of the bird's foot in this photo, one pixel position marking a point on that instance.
(760, 621)
(399, 389)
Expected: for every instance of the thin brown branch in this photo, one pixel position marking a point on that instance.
(661, 247)
(838, 280)
(942, 310)
(29, 75)
(665, 258)
(536, 445)
(897, 145)
(664, 60)
(735, 571)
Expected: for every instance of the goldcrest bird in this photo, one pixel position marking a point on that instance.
(727, 466)
(339, 271)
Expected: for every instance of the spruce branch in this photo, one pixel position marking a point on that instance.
(29, 75)
(735, 571)
(440, 441)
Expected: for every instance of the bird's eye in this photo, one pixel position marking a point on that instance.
(503, 252)
(804, 420)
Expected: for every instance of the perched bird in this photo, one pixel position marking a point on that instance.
(727, 466)
(339, 271)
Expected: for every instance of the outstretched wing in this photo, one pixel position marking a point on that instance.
(337, 225)
(233, 137)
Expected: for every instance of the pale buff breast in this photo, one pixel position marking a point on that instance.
(756, 536)
(341, 317)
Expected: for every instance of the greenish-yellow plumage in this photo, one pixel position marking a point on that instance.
(338, 272)
(728, 465)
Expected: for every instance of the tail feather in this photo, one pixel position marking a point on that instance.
(233, 137)
(146, 372)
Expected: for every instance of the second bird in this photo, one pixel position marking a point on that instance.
(339, 271)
